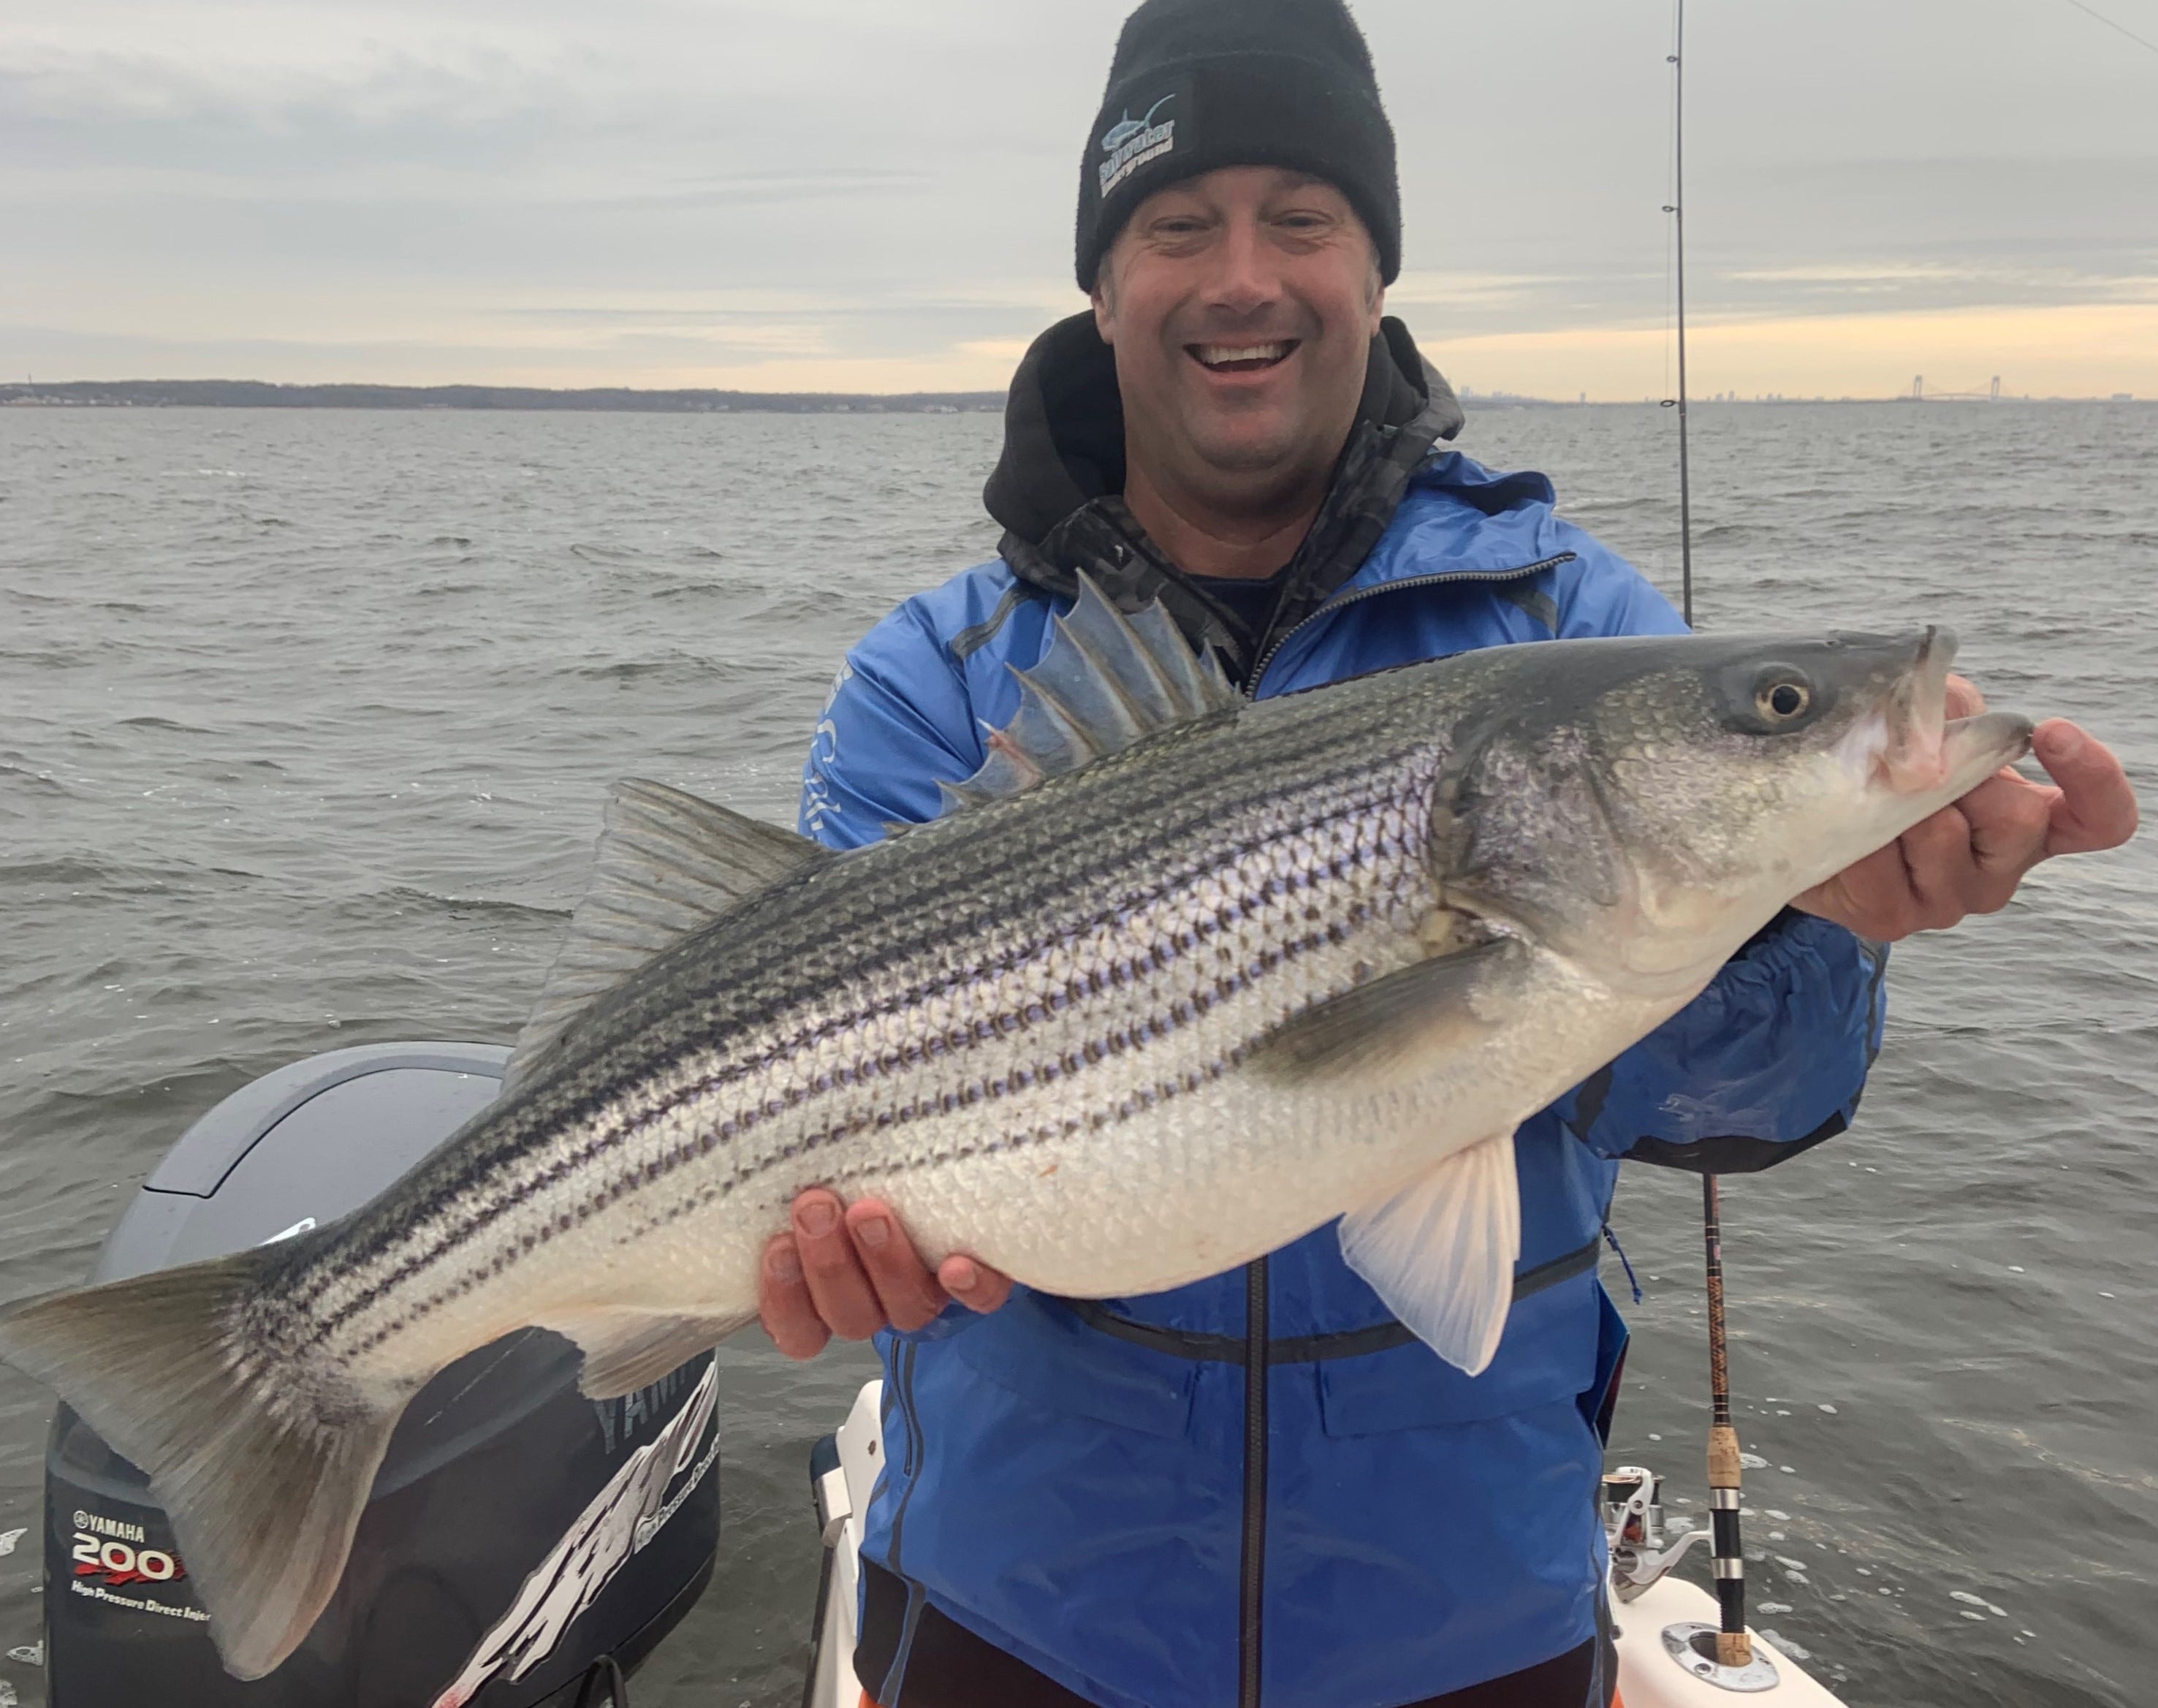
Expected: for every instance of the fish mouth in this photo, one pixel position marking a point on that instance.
(1921, 751)
(1913, 754)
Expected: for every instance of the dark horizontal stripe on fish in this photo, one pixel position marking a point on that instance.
(1133, 1103)
(592, 1110)
(1133, 1036)
(1137, 1101)
(1362, 850)
(1324, 756)
(1109, 978)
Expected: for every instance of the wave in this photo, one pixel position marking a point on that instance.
(43, 781)
(401, 899)
(119, 877)
(676, 666)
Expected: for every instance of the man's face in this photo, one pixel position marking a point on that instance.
(1242, 305)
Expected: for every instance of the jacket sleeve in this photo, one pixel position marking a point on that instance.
(898, 720)
(1772, 1056)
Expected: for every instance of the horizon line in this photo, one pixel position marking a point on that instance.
(481, 395)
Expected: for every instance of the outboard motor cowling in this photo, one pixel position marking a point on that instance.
(518, 1534)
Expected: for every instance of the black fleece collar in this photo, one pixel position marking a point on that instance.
(1058, 488)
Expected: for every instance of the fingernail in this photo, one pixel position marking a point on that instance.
(784, 1264)
(2067, 743)
(873, 1231)
(817, 1218)
(962, 1276)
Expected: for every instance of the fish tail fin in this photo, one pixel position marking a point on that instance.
(263, 1467)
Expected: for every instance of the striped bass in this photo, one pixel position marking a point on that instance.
(1181, 978)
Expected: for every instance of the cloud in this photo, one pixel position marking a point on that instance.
(514, 185)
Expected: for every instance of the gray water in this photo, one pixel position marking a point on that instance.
(306, 720)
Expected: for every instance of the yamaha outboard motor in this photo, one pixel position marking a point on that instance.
(521, 1543)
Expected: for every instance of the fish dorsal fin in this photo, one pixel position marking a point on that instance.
(1107, 679)
(668, 863)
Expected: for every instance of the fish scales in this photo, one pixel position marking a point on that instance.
(1078, 960)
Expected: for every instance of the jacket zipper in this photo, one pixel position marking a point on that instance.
(1274, 647)
(903, 1372)
(1250, 1624)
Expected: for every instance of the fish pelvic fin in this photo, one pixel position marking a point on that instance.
(1388, 1027)
(262, 1469)
(668, 865)
(625, 1350)
(1108, 680)
(1440, 1253)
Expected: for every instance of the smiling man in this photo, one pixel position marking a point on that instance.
(1261, 1490)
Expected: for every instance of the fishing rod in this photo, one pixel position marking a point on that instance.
(1676, 210)
(1734, 1647)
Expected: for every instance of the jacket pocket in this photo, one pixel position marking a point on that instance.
(1549, 1354)
(1042, 1353)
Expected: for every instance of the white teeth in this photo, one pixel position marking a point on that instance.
(1215, 355)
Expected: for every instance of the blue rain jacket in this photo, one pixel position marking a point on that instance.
(1067, 1480)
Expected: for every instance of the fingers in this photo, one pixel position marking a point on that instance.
(1964, 698)
(1918, 883)
(906, 1293)
(2008, 817)
(839, 1286)
(783, 1303)
(2095, 808)
(851, 1270)
(975, 1284)
(1969, 857)
(1941, 874)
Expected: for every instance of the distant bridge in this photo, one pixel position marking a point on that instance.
(1918, 394)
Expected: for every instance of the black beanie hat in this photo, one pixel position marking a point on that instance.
(1200, 84)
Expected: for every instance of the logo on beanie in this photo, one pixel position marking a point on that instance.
(1130, 144)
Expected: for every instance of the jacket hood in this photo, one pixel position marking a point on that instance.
(1058, 486)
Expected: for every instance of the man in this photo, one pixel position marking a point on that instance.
(1259, 1489)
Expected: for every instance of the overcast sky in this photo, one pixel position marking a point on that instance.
(852, 195)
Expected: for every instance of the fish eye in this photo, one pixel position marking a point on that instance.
(1780, 700)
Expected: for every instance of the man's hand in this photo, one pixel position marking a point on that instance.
(850, 1271)
(1968, 857)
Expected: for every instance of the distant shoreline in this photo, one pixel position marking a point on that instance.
(259, 394)
(256, 393)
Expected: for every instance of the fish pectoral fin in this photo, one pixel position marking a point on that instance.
(1440, 1253)
(1394, 1024)
(625, 1350)
(263, 1470)
(668, 864)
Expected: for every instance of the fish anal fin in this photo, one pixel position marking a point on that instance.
(1440, 1253)
(625, 1350)
(1393, 1025)
(668, 865)
(264, 1472)
(1106, 681)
